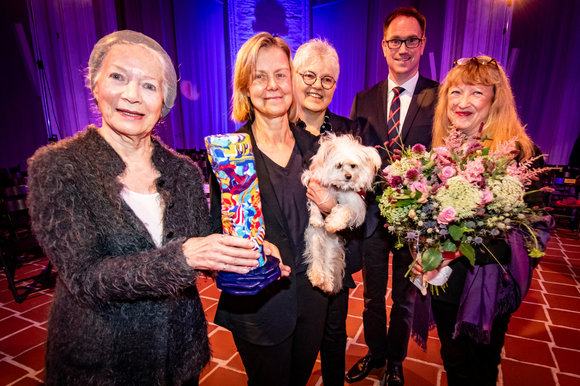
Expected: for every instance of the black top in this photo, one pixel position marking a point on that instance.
(291, 195)
(270, 316)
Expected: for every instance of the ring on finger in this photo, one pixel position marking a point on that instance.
(225, 266)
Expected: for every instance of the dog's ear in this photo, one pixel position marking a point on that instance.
(373, 157)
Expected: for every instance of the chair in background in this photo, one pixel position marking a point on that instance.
(564, 200)
(22, 259)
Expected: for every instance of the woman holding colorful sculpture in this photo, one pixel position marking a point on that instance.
(125, 221)
(473, 310)
(279, 330)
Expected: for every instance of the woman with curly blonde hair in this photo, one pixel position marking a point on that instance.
(473, 312)
(502, 122)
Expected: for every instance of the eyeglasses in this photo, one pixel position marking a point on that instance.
(477, 60)
(309, 78)
(409, 42)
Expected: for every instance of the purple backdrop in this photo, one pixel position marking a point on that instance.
(537, 41)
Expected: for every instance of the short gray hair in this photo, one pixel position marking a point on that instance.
(107, 42)
(316, 48)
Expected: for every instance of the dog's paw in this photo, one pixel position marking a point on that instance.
(333, 224)
(316, 221)
(317, 278)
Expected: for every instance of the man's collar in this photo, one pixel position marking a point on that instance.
(408, 85)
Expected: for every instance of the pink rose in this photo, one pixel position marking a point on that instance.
(486, 197)
(446, 215)
(446, 173)
(423, 188)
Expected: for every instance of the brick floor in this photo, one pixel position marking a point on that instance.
(542, 345)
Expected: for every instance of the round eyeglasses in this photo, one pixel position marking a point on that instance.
(409, 42)
(309, 78)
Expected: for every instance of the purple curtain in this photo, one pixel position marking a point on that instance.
(537, 41)
(64, 34)
(201, 55)
(347, 42)
(545, 78)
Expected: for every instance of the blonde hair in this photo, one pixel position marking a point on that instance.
(242, 109)
(502, 123)
(317, 48)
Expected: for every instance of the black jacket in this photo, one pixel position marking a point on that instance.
(124, 312)
(268, 317)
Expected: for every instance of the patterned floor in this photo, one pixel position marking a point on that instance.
(542, 346)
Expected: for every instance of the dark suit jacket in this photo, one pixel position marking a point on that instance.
(369, 111)
(341, 125)
(268, 317)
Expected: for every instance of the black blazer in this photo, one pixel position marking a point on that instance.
(342, 125)
(369, 111)
(268, 317)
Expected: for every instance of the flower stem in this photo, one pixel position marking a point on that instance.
(495, 258)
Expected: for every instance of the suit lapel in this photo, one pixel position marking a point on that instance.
(413, 110)
(383, 108)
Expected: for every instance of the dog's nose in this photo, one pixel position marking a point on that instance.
(348, 176)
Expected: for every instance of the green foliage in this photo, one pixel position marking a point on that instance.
(468, 251)
(456, 232)
(535, 253)
(430, 259)
(448, 246)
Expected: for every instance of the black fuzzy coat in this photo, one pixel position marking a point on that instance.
(124, 312)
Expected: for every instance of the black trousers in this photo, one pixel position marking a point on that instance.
(333, 350)
(391, 345)
(467, 362)
(291, 361)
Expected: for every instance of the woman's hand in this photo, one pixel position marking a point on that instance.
(416, 268)
(321, 196)
(272, 250)
(221, 253)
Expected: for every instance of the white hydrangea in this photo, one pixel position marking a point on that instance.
(508, 194)
(400, 167)
(461, 196)
(394, 215)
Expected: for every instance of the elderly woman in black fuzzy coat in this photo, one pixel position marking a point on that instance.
(125, 222)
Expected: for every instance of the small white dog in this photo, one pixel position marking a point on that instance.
(346, 168)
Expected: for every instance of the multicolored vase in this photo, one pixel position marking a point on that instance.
(232, 161)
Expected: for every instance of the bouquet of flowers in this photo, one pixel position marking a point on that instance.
(455, 197)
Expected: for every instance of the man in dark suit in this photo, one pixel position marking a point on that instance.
(397, 111)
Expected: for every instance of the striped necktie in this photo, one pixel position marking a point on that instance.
(394, 116)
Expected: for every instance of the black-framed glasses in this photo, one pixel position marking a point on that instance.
(477, 60)
(409, 42)
(309, 78)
